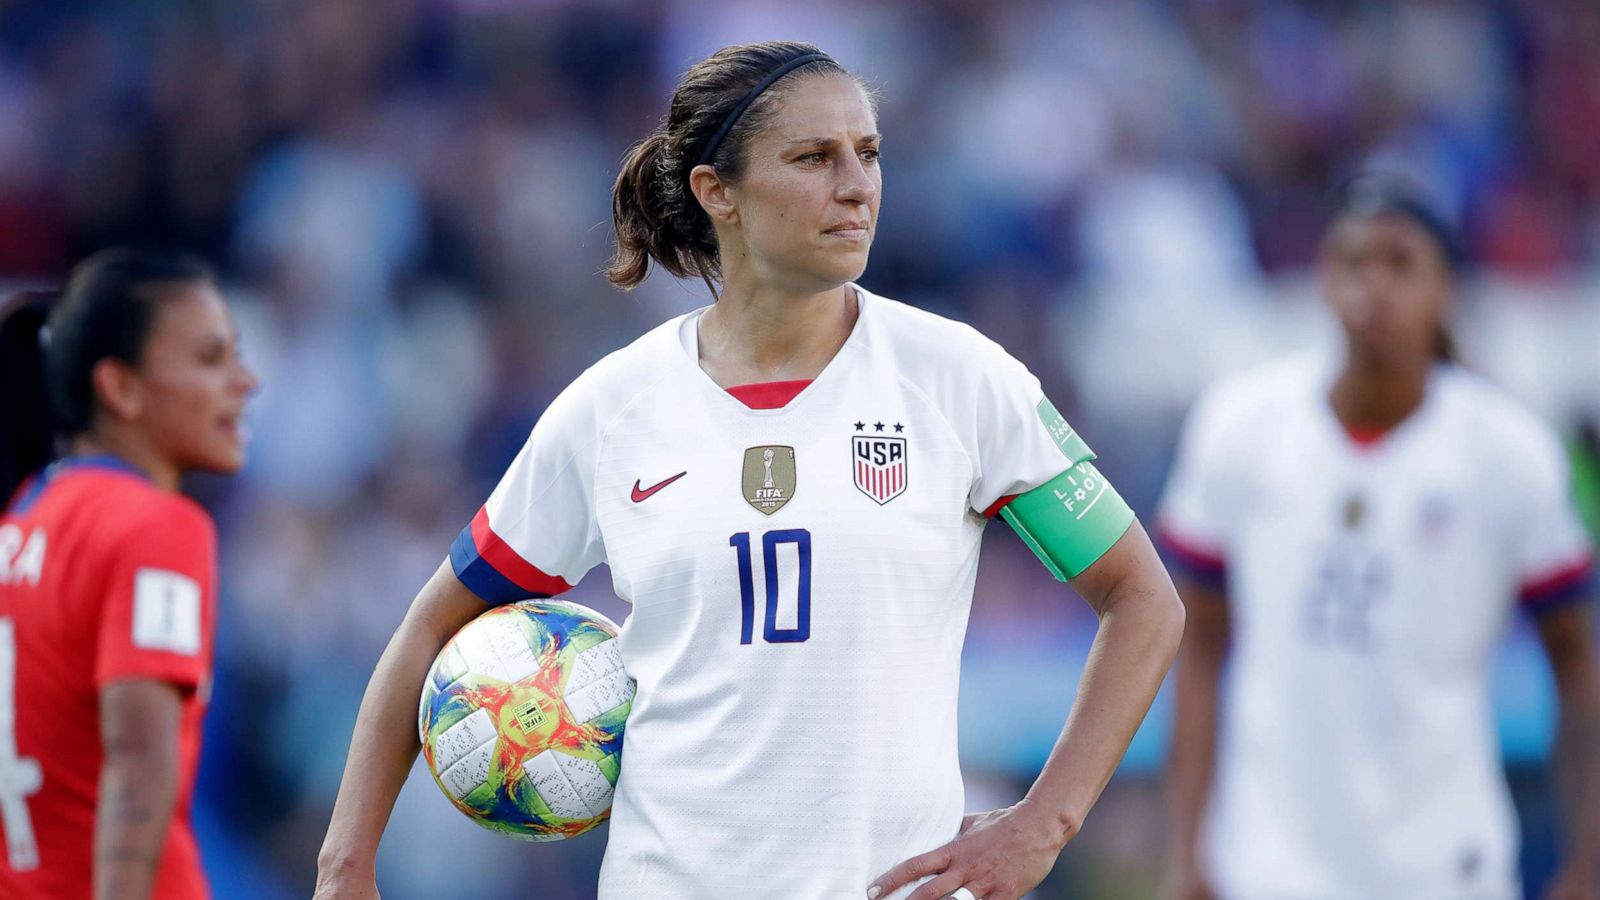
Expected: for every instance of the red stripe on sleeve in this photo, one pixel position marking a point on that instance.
(507, 562)
(995, 507)
(1556, 583)
(1192, 555)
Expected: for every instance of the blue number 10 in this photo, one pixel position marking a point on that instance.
(770, 631)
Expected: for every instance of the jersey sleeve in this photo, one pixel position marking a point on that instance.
(1194, 517)
(1036, 472)
(158, 613)
(537, 535)
(1021, 441)
(1551, 552)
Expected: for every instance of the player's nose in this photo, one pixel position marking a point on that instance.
(855, 183)
(245, 381)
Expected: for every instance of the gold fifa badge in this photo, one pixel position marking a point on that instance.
(769, 477)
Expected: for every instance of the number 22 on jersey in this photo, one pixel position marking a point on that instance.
(770, 542)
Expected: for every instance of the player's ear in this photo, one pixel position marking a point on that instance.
(713, 195)
(118, 389)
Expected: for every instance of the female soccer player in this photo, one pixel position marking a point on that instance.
(108, 574)
(789, 486)
(1355, 532)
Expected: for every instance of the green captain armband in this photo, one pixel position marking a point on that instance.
(1071, 520)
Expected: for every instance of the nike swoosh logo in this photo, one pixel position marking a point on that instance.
(641, 495)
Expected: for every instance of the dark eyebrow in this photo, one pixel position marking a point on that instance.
(826, 142)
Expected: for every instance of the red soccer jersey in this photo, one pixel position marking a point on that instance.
(102, 576)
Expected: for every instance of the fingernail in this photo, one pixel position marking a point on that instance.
(873, 892)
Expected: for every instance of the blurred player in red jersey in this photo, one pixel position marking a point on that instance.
(108, 573)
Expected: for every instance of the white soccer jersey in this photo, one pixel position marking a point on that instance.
(1367, 584)
(800, 579)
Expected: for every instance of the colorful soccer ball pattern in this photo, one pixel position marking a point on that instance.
(522, 717)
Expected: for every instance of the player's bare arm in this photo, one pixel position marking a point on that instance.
(384, 744)
(1194, 736)
(1002, 855)
(139, 720)
(1568, 637)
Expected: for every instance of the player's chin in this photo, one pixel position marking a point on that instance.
(844, 263)
(219, 457)
(1388, 347)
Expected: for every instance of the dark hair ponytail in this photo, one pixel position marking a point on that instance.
(48, 350)
(655, 214)
(643, 194)
(27, 442)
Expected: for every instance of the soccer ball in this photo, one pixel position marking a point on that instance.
(522, 717)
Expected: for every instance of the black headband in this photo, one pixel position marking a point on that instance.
(1372, 196)
(744, 103)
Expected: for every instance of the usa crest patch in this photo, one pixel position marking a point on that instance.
(879, 464)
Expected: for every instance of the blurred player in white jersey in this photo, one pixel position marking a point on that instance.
(789, 486)
(1356, 531)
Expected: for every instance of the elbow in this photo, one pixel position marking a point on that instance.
(1175, 619)
(1153, 610)
(1167, 617)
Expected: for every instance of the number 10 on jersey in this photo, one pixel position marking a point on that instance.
(770, 632)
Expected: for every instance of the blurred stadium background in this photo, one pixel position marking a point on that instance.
(409, 200)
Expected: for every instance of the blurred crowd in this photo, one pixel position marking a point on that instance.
(409, 201)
